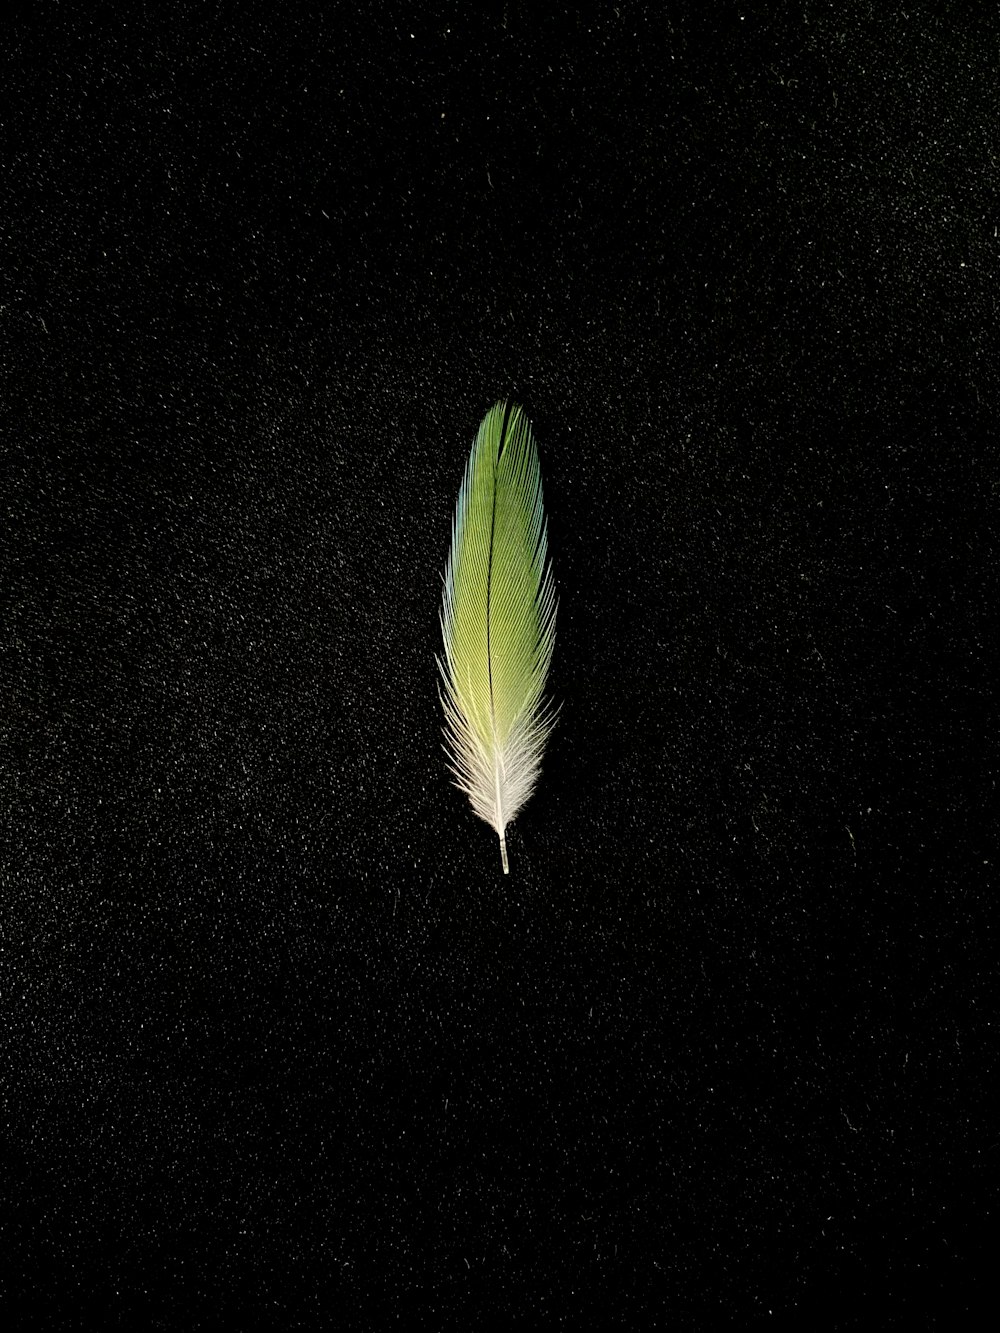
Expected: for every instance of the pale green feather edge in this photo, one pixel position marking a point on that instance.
(498, 619)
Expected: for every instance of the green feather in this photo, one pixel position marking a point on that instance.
(498, 622)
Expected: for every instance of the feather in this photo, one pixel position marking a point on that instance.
(498, 620)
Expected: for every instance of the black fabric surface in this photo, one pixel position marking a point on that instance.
(280, 1046)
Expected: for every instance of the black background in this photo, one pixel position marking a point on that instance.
(281, 1047)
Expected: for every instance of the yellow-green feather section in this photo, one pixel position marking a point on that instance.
(498, 621)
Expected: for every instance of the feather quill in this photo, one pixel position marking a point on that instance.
(498, 620)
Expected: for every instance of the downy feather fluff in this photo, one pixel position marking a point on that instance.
(498, 623)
